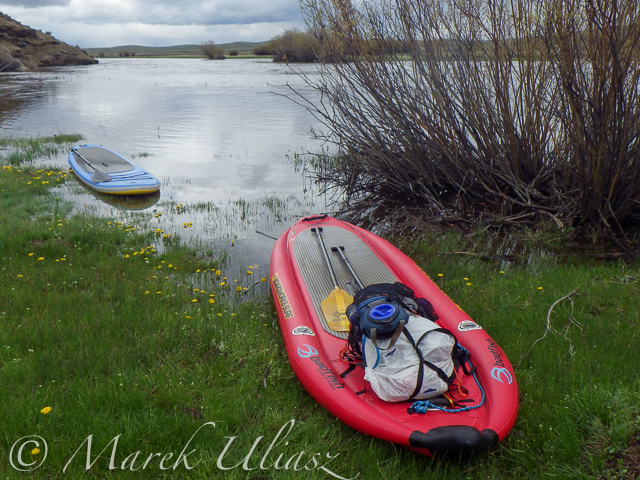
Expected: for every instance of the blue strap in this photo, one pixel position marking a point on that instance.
(422, 406)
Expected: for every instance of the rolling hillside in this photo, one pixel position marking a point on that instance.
(172, 51)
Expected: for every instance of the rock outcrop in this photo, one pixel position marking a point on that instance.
(23, 48)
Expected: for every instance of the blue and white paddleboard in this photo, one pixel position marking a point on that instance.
(109, 172)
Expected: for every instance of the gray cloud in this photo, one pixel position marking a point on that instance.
(83, 21)
(196, 13)
(34, 3)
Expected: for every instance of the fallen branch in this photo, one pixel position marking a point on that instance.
(572, 321)
(266, 235)
(249, 288)
(265, 375)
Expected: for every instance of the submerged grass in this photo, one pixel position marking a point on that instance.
(28, 149)
(138, 344)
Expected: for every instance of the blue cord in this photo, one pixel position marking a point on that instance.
(421, 406)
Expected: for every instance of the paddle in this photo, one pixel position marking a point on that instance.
(335, 305)
(340, 250)
(98, 176)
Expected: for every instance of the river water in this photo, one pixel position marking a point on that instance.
(219, 135)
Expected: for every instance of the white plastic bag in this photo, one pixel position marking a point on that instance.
(394, 373)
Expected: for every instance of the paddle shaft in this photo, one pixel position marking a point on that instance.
(318, 232)
(346, 261)
(84, 159)
(95, 169)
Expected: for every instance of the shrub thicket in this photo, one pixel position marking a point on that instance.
(212, 51)
(294, 46)
(262, 49)
(512, 110)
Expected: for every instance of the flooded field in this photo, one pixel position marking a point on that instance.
(219, 135)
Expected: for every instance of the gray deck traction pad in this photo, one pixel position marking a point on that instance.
(103, 159)
(308, 255)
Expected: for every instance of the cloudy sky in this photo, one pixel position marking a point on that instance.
(108, 23)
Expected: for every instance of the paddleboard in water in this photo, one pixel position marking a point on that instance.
(301, 281)
(109, 172)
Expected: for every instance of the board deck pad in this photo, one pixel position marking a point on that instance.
(308, 255)
(105, 160)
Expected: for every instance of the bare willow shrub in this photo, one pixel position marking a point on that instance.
(513, 108)
(212, 51)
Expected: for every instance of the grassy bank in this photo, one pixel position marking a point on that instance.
(104, 335)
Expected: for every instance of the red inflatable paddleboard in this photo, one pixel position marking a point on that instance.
(303, 283)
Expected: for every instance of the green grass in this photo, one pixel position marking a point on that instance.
(28, 149)
(99, 323)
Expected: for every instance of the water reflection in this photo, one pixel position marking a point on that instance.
(213, 133)
(126, 202)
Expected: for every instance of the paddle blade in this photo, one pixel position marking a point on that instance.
(99, 176)
(334, 309)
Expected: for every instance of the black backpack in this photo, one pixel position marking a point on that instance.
(381, 310)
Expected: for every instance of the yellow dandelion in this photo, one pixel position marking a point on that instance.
(218, 273)
(45, 410)
(468, 284)
(249, 272)
(187, 316)
(126, 256)
(146, 292)
(441, 274)
(31, 254)
(211, 300)
(263, 279)
(35, 451)
(239, 288)
(223, 284)
(40, 258)
(539, 288)
(19, 276)
(194, 300)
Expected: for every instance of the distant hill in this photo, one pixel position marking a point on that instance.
(23, 48)
(172, 51)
